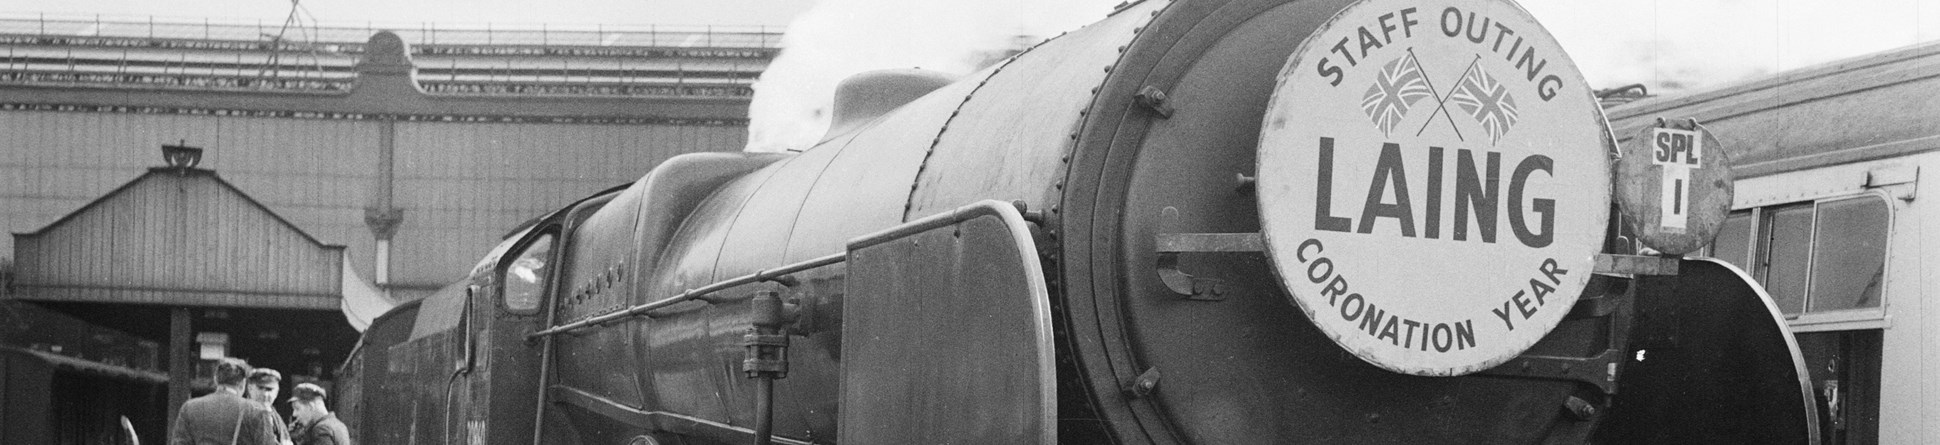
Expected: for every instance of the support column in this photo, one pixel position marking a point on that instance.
(181, 366)
(385, 75)
(383, 216)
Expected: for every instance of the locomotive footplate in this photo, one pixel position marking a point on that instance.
(1599, 371)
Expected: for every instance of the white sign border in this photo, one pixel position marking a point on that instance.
(1583, 264)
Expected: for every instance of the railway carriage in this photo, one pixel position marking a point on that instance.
(1828, 216)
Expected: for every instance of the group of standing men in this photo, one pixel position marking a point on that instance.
(238, 412)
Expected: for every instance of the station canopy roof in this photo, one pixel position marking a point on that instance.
(183, 236)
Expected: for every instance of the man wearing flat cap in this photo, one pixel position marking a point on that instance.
(314, 424)
(224, 417)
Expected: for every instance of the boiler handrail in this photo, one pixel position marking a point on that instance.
(691, 294)
(960, 214)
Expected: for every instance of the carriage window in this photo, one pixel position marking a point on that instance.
(525, 277)
(1733, 242)
(1785, 250)
(1850, 259)
(1812, 257)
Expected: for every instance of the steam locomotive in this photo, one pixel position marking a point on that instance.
(1195, 221)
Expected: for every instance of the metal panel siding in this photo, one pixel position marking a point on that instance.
(441, 311)
(371, 413)
(866, 186)
(279, 162)
(461, 185)
(316, 173)
(759, 235)
(57, 162)
(594, 282)
(464, 185)
(293, 166)
(683, 345)
(1783, 117)
(974, 289)
(179, 233)
(1011, 138)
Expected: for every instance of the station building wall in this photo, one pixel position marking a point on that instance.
(461, 185)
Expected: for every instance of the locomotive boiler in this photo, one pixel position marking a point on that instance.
(1196, 221)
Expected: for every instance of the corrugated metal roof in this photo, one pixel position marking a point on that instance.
(178, 236)
(1868, 107)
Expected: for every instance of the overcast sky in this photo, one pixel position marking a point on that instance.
(1666, 43)
(664, 12)
(1671, 46)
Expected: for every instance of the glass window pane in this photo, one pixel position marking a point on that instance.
(525, 277)
(1788, 244)
(1849, 258)
(1730, 245)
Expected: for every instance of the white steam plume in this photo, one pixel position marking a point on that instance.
(839, 38)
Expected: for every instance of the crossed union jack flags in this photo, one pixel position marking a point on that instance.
(1402, 82)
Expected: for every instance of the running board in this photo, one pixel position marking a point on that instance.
(658, 420)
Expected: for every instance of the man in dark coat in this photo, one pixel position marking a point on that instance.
(314, 424)
(262, 386)
(224, 417)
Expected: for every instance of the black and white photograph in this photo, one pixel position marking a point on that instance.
(892, 222)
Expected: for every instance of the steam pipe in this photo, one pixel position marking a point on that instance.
(764, 410)
(767, 349)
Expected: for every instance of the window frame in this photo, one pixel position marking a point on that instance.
(546, 282)
(1807, 320)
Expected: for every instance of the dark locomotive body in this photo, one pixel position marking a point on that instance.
(1834, 140)
(1143, 124)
